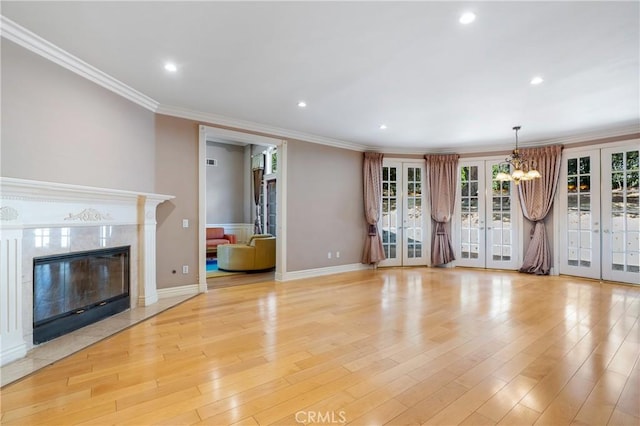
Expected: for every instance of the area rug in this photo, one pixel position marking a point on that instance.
(213, 272)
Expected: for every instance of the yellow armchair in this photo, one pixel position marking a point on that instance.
(259, 254)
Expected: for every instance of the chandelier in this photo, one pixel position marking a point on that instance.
(521, 169)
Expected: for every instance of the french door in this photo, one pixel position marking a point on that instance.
(487, 220)
(402, 222)
(271, 208)
(600, 214)
(580, 221)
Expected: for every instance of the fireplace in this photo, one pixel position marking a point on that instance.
(73, 290)
(48, 219)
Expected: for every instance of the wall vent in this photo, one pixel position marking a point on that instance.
(212, 162)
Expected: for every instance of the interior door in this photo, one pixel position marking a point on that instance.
(621, 214)
(270, 211)
(487, 217)
(402, 222)
(579, 222)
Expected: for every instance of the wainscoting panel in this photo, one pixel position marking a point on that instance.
(243, 231)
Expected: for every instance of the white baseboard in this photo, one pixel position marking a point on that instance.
(310, 273)
(183, 290)
(8, 355)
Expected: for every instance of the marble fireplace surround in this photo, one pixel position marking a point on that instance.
(43, 218)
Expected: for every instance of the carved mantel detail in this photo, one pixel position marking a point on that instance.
(8, 213)
(89, 215)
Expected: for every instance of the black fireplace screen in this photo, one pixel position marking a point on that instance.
(76, 289)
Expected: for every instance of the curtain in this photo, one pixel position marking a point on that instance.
(257, 188)
(372, 177)
(536, 198)
(442, 174)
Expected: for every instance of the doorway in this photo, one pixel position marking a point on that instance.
(487, 221)
(599, 224)
(402, 222)
(214, 134)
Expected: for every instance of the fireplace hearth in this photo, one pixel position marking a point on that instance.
(74, 290)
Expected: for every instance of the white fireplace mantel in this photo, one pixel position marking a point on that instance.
(28, 204)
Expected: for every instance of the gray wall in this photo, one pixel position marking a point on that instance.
(325, 206)
(225, 183)
(60, 127)
(176, 162)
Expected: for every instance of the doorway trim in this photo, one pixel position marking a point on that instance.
(234, 137)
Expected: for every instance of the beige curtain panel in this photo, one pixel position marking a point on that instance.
(442, 180)
(372, 174)
(536, 198)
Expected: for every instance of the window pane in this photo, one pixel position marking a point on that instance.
(473, 173)
(585, 166)
(617, 161)
(585, 183)
(473, 189)
(632, 160)
(632, 182)
(572, 183)
(585, 202)
(572, 165)
(617, 181)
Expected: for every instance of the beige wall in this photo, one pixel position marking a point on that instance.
(325, 206)
(177, 174)
(225, 183)
(60, 127)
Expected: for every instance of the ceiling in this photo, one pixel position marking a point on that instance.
(438, 85)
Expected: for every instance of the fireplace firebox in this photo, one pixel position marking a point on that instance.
(73, 290)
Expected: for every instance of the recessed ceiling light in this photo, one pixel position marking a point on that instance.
(383, 127)
(171, 67)
(302, 104)
(467, 18)
(536, 80)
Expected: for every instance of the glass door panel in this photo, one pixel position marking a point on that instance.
(580, 218)
(390, 217)
(402, 223)
(470, 223)
(413, 217)
(621, 214)
(486, 230)
(501, 234)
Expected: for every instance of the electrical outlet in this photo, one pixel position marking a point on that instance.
(185, 269)
(337, 255)
(329, 255)
(185, 223)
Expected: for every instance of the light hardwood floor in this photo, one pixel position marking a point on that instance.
(392, 346)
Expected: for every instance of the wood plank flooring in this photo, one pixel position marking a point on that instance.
(391, 346)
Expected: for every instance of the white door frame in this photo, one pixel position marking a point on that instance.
(216, 134)
(484, 203)
(400, 260)
(557, 205)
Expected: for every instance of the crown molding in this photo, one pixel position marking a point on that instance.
(250, 126)
(36, 44)
(625, 130)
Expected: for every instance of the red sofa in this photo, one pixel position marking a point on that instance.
(216, 237)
